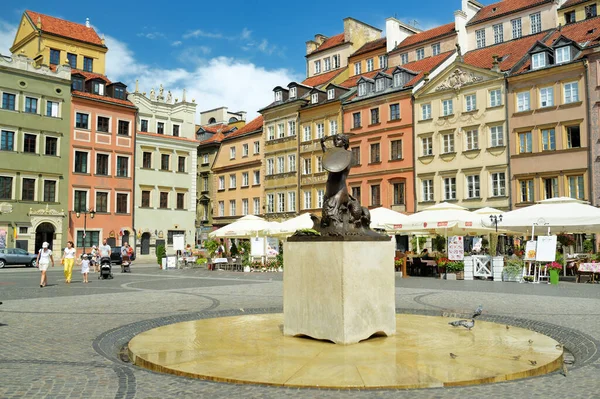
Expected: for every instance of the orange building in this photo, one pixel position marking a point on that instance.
(101, 161)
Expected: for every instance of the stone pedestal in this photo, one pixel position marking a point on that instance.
(341, 291)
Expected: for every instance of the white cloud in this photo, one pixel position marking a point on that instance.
(246, 34)
(201, 33)
(7, 36)
(151, 35)
(423, 24)
(177, 43)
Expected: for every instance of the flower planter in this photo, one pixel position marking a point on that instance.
(280, 269)
(460, 275)
(554, 276)
(513, 278)
(246, 269)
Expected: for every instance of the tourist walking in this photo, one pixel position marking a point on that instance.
(68, 260)
(43, 261)
(85, 267)
(104, 250)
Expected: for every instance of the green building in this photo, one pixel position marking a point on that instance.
(35, 119)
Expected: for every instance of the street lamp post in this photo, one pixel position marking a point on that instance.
(92, 213)
(495, 220)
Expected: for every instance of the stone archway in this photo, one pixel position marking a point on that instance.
(44, 232)
(50, 217)
(145, 244)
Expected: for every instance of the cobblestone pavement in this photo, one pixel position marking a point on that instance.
(63, 341)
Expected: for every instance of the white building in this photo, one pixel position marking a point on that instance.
(165, 170)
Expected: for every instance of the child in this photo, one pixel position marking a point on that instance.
(85, 267)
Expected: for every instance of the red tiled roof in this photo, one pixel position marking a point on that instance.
(90, 75)
(167, 137)
(329, 43)
(103, 98)
(323, 78)
(65, 28)
(503, 8)
(250, 127)
(370, 46)
(218, 128)
(216, 138)
(424, 36)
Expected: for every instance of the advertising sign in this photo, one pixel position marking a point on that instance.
(546, 249)
(456, 248)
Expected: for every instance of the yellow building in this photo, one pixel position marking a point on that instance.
(53, 41)
(577, 10)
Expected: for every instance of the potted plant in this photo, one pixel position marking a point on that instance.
(201, 261)
(554, 268)
(397, 263)
(512, 270)
(161, 254)
(457, 267)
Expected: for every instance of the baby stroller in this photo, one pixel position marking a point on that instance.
(105, 269)
(125, 264)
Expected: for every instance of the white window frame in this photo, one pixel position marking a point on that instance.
(326, 64)
(330, 94)
(232, 207)
(293, 92)
(221, 182)
(546, 96)
(426, 111)
(280, 130)
(320, 198)
(333, 127)
(17, 100)
(291, 128)
(362, 89)
(495, 185)
(270, 203)
(87, 196)
(447, 107)
(497, 136)
(232, 181)
(318, 66)
(314, 98)
(205, 159)
(56, 188)
(307, 136)
(278, 95)
(448, 144)
(562, 54)
(383, 61)
(403, 58)
(420, 53)
(292, 162)
(380, 84)
(256, 177)
(473, 185)
(571, 92)
(538, 60)
(13, 185)
(117, 156)
(357, 68)
(129, 125)
(221, 208)
(270, 166)
(256, 206)
(427, 190)
(270, 133)
(536, 22)
(320, 130)
(245, 206)
(306, 166)
(280, 202)
(256, 147)
(280, 164)
(579, 194)
(517, 28)
(472, 139)
(449, 184)
(480, 38)
(232, 152)
(46, 136)
(336, 61)
(526, 186)
(319, 164)
(471, 102)
(495, 97)
(436, 48)
(88, 120)
(245, 150)
(527, 148)
(523, 101)
(88, 160)
(498, 33)
(291, 205)
(245, 179)
(307, 199)
(427, 146)
(58, 109)
(370, 65)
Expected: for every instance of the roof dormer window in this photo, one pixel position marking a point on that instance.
(562, 54)
(314, 98)
(119, 93)
(330, 94)
(538, 60)
(77, 84)
(278, 95)
(380, 84)
(292, 92)
(398, 80)
(98, 88)
(362, 89)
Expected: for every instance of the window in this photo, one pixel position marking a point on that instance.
(398, 79)
(495, 98)
(49, 191)
(6, 187)
(145, 199)
(144, 125)
(550, 187)
(526, 190)
(280, 130)
(101, 202)
(590, 11)
(538, 60)
(204, 183)
(175, 130)
(31, 105)
(375, 153)
(448, 143)
(307, 136)
(103, 124)
(380, 84)
(28, 190)
(449, 188)
(383, 61)
(396, 150)
(98, 88)
(394, 112)
(81, 162)
(472, 139)
(306, 166)
(536, 22)
(447, 107)
(119, 92)
(271, 133)
(356, 120)
(270, 166)
(330, 94)
(292, 201)
(562, 54)
(164, 200)
(244, 206)
(102, 163)
(497, 136)
(221, 182)
(280, 164)
(221, 208)
(320, 198)
(318, 66)
(573, 137)
(327, 64)
(181, 164)
(164, 161)
(435, 48)
(245, 150)
(291, 128)
(362, 89)
(122, 166)
(525, 144)
(278, 96)
(77, 84)
(374, 116)
(82, 120)
(245, 179)
(319, 164)
(270, 203)
(256, 147)
(336, 61)
(280, 202)
(232, 181)
(52, 109)
(480, 36)
(570, 17)
(292, 163)
(375, 195)
(160, 128)
(517, 32)
(256, 177)
(471, 102)
(546, 97)
(88, 64)
(91, 238)
(399, 190)
(122, 203)
(403, 58)
(523, 101)
(333, 127)
(576, 187)
(231, 152)
(307, 200)
(473, 186)
(80, 201)
(320, 130)
(54, 57)
(548, 140)
(7, 140)
(427, 190)
(498, 184)
(180, 200)
(356, 192)
(147, 160)
(427, 146)
(355, 155)
(420, 53)
(357, 68)
(571, 92)
(425, 112)
(293, 92)
(498, 33)
(8, 101)
(369, 64)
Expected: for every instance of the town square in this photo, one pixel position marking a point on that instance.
(356, 204)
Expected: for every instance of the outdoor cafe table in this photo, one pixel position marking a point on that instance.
(588, 269)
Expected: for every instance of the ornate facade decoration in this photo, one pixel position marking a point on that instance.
(458, 79)
(5, 207)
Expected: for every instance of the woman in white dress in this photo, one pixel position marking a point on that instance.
(43, 261)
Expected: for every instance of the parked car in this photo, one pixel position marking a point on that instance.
(16, 256)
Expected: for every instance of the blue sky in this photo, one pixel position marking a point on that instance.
(225, 53)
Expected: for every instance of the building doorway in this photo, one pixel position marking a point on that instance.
(44, 233)
(145, 250)
(125, 238)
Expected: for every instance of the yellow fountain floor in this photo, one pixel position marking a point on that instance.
(252, 349)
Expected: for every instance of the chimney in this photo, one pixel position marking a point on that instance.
(426, 77)
(495, 63)
(310, 46)
(319, 39)
(396, 32)
(39, 23)
(87, 22)
(460, 25)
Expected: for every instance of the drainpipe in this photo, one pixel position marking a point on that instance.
(589, 134)
(414, 161)
(510, 186)
(134, 181)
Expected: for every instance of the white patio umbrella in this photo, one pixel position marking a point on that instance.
(245, 227)
(382, 217)
(488, 211)
(290, 226)
(557, 214)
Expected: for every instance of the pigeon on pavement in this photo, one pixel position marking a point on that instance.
(478, 311)
(453, 356)
(468, 324)
(533, 362)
